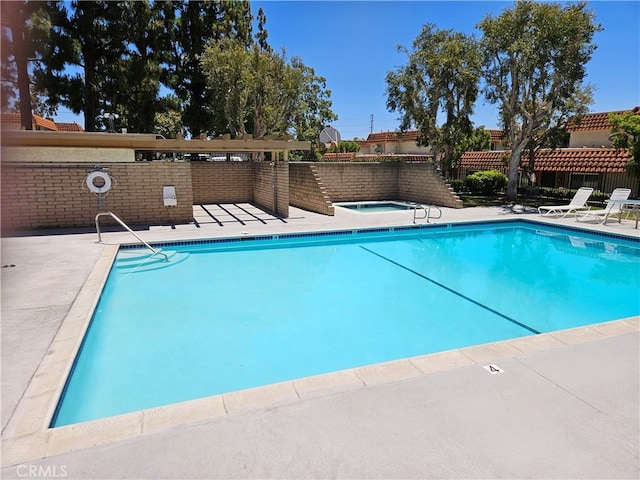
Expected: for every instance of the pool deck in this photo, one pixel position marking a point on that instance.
(566, 404)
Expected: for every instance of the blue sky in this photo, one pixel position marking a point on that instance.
(352, 44)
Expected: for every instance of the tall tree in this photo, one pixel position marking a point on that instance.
(441, 77)
(135, 77)
(313, 105)
(86, 42)
(23, 34)
(626, 134)
(195, 24)
(535, 57)
(261, 92)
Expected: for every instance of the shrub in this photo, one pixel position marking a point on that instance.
(487, 182)
(457, 185)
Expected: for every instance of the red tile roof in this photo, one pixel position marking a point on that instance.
(385, 137)
(595, 121)
(69, 127)
(485, 160)
(592, 160)
(497, 136)
(338, 157)
(11, 117)
(43, 123)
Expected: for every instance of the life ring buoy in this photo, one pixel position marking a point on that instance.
(105, 178)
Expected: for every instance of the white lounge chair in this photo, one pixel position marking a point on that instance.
(611, 209)
(579, 201)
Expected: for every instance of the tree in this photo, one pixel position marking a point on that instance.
(626, 134)
(135, 77)
(24, 29)
(193, 25)
(535, 58)
(345, 146)
(442, 76)
(261, 92)
(168, 119)
(86, 42)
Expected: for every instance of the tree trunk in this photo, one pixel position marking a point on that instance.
(90, 98)
(22, 64)
(514, 162)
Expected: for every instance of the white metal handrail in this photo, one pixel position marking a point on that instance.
(427, 212)
(113, 215)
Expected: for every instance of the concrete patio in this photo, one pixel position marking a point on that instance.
(566, 405)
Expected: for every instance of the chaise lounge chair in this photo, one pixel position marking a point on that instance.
(611, 209)
(578, 202)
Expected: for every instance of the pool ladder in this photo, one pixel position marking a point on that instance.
(126, 227)
(427, 212)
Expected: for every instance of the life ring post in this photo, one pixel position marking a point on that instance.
(98, 174)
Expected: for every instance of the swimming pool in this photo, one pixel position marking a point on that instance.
(237, 313)
(374, 207)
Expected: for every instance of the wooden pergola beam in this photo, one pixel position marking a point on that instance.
(147, 142)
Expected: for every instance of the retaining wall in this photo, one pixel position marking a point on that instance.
(352, 182)
(421, 183)
(307, 190)
(271, 187)
(54, 195)
(222, 182)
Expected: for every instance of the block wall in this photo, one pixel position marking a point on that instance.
(352, 182)
(36, 196)
(345, 182)
(271, 187)
(421, 183)
(306, 189)
(222, 182)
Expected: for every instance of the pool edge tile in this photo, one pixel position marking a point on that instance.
(576, 336)
(388, 372)
(78, 436)
(250, 400)
(491, 351)
(193, 411)
(24, 448)
(441, 361)
(327, 384)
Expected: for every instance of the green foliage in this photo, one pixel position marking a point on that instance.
(262, 93)
(191, 26)
(168, 119)
(626, 134)
(345, 146)
(91, 37)
(477, 141)
(535, 57)
(486, 182)
(442, 76)
(457, 185)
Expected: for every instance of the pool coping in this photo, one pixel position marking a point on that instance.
(28, 437)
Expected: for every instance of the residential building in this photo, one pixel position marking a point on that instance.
(11, 121)
(589, 161)
(390, 143)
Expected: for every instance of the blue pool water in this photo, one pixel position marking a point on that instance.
(236, 314)
(371, 207)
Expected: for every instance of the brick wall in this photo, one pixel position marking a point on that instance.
(352, 182)
(51, 195)
(222, 182)
(265, 174)
(307, 190)
(421, 183)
